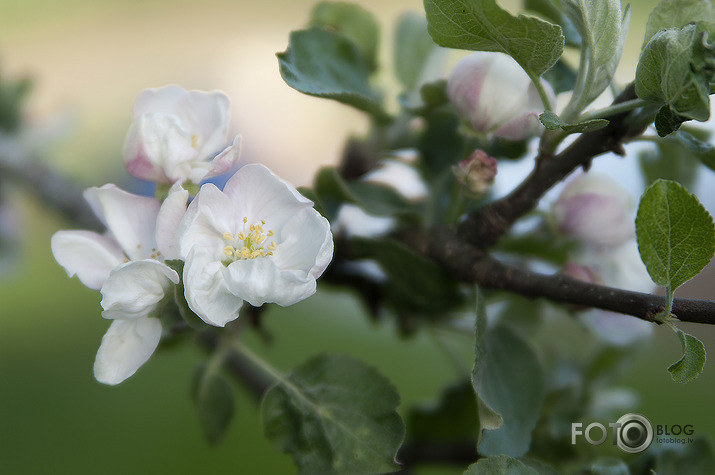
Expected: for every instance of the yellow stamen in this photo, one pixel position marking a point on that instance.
(249, 243)
(194, 140)
(228, 237)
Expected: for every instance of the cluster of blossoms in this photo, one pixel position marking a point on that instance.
(600, 214)
(257, 240)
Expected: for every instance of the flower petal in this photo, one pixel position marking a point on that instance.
(259, 281)
(203, 114)
(616, 328)
(208, 217)
(225, 160)
(259, 194)
(89, 255)
(206, 291)
(168, 221)
(126, 346)
(133, 289)
(130, 218)
(305, 243)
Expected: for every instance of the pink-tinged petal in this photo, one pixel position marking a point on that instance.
(225, 160)
(133, 289)
(168, 220)
(259, 281)
(201, 114)
(157, 148)
(206, 291)
(208, 217)
(130, 218)
(521, 127)
(259, 194)
(126, 346)
(86, 254)
(304, 243)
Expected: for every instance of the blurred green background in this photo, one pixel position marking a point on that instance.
(88, 60)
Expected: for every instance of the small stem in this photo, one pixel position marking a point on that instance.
(259, 362)
(545, 100)
(615, 109)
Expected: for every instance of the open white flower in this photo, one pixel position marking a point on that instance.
(127, 265)
(177, 134)
(258, 241)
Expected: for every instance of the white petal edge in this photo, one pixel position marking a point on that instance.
(133, 289)
(86, 254)
(125, 347)
(168, 220)
(259, 281)
(206, 292)
(130, 218)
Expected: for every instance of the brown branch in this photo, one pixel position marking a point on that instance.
(486, 225)
(470, 264)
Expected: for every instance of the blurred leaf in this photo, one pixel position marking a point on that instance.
(441, 145)
(552, 121)
(549, 11)
(335, 414)
(213, 398)
(609, 466)
(677, 14)
(327, 64)
(693, 360)
(501, 464)
(353, 21)
(704, 151)
(675, 69)
(13, 96)
(312, 196)
(675, 158)
(376, 199)
(698, 457)
(561, 77)
(603, 29)
(509, 379)
(454, 417)
(413, 49)
(415, 285)
(434, 94)
(676, 237)
(484, 26)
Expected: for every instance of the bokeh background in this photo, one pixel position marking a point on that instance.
(88, 59)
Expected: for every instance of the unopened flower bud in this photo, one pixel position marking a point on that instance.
(582, 273)
(476, 172)
(496, 96)
(595, 210)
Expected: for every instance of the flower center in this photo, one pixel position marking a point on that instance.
(249, 243)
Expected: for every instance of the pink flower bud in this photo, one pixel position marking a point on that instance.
(496, 96)
(476, 172)
(582, 273)
(595, 210)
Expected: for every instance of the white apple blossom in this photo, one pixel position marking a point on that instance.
(595, 210)
(258, 241)
(126, 264)
(496, 96)
(176, 136)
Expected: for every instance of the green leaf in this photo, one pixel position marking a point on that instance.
(677, 158)
(561, 77)
(327, 64)
(415, 52)
(609, 466)
(441, 145)
(698, 457)
(334, 414)
(501, 464)
(603, 29)
(509, 379)
(675, 233)
(552, 121)
(415, 284)
(549, 11)
(692, 362)
(454, 417)
(353, 21)
(481, 25)
(373, 198)
(677, 14)
(667, 121)
(675, 69)
(213, 398)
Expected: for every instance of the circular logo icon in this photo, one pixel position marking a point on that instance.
(634, 433)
